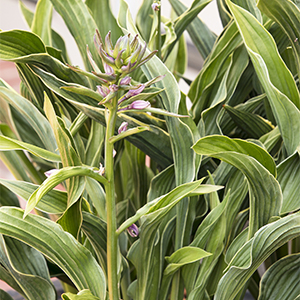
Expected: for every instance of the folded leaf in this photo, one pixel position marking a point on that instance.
(59, 246)
(184, 256)
(259, 168)
(273, 74)
(265, 241)
(281, 281)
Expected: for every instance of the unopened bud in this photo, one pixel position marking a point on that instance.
(139, 104)
(155, 6)
(103, 90)
(133, 230)
(51, 172)
(123, 127)
(125, 81)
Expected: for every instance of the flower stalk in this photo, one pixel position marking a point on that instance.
(118, 94)
(112, 239)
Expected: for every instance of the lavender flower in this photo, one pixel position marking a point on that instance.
(133, 230)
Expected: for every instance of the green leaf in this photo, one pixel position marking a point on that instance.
(163, 204)
(96, 231)
(69, 157)
(287, 15)
(82, 295)
(265, 241)
(223, 89)
(144, 19)
(200, 89)
(253, 124)
(36, 120)
(31, 274)
(289, 178)
(8, 144)
(10, 39)
(97, 196)
(162, 183)
(81, 25)
(57, 178)
(60, 247)
(187, 17)
(7, 198)
(41, 23)
(274, 76)
(184, 256)
(281, 280)
(202, 37)
(5, 296)
(54, 202)
(259, 168)
(105, 20)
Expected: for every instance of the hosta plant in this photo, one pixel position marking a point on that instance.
(130, 194)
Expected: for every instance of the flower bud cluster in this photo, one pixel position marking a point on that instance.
(123, 58)
(118, 62)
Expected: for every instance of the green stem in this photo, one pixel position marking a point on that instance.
(158, 38)
(112, 239)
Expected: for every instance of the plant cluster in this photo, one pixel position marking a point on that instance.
(156, 201)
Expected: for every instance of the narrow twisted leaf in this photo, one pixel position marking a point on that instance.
(187, 17)
(164, 203)
(253, 124)
(202, 37)
(36, 120)
(287, 15)
(70, 157)
(80, 24)
(281, 280)
(104, 18)
(274, 76)
(266, 240)
(54, 202)
(41, 23)
(8, 144)
(57, 178)
(259, 168)
(60, 247)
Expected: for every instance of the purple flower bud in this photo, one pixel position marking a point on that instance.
(155, 6)
(125, 81)
(103, 90)
(133, 230)
(123, 127)
(113, 88)
(51, 172)
(132, 92)
(139, 104)
(108, 69)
